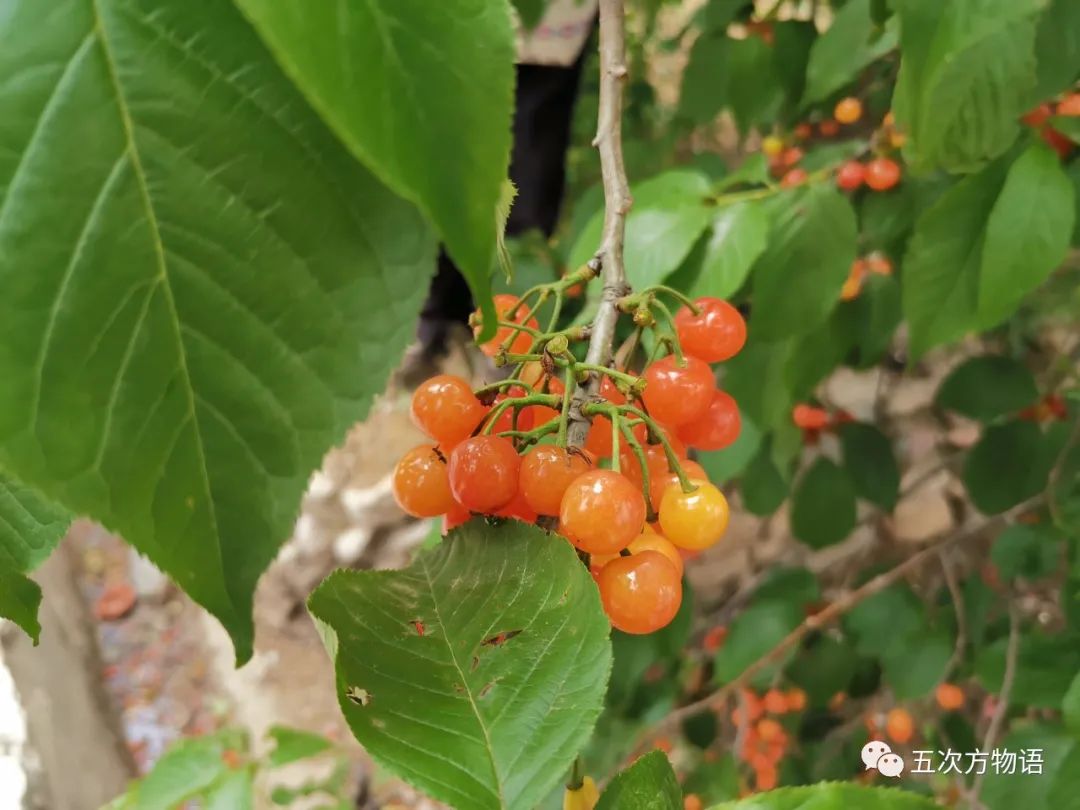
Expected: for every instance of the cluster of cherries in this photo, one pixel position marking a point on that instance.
(632, 517)
(881, 173)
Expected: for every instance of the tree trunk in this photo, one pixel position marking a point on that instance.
(71, 723)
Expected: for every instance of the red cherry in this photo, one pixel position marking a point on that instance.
(546, 472)
(717, 334)
(640, 593)
(445, 408)
(522, 341)
(717, 428)
(882, 174)
(484, 473)
(676, 394)
(421, 483)
(795, 177)
(850, 175)
(602, 512)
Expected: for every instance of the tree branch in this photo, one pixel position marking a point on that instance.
(617, 202)
(834, 611)
(1001, 709)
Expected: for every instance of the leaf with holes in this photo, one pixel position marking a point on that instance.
(422, 92)
(30, 528)
(476, 673)
(648, 784)
(203, 290)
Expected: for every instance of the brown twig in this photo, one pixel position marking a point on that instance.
(617, 202)
(958, 606)
(834, 611)
(1001, 709)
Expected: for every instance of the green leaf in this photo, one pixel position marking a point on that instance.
(944, 257)
(732, 461)
(966, 73)
(988, 387)
(236, 791)
(1009, 791)
(873, 319)
(719, 14)
(1027, 235)
(1070, 706)
(1067, 125)
(186, 770)
(869, 459)
(703, 92)
(530, 12)
(753, 86)
(752, 634)
(186, 326)
(1057, 48)
(832, 796)
(738, 237)
(915, 670)
(791, 53)
(823, 669)
(292, 744)
(1046, 667)
(823, 506)
(1009, 465)
(1063, 793)
(851, 43)
(668, 216)
(882, 624)
(755, 377)
(30, 528)
(797, 279)
(1026, 551)
(648, 784)
(475, 718)
(422, 93)
(763, 487)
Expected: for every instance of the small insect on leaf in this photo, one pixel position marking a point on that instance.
(419, 625)
(500, 638)
(361, 697)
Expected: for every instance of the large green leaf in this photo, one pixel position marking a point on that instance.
(422, 92)
(202, 288)
(832, 796)
(944, 257)
(1057, 47)
(823, 506)
(915, 670)
(648, 784)
(988, 387)
(797, 280)
(883, 624)
(476, 673)
(753, 634)
(739, 235)
(704, 88)
(851, 43)
(967, 71)
(1027, 235)
(1008, 465)
(1008, 791)
(30, 528)
(869, 458)
(668, 216)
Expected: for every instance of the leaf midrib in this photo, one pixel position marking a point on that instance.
(488, 746)
(163, 280)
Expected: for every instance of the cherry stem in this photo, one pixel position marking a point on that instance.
(655, 431)
(629, 379)
(673, 337)
(639, 452)
(509, 382)
(517, 403)
(570, 383)
(683, 299)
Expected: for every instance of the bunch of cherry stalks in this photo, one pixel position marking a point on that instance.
(630, 500)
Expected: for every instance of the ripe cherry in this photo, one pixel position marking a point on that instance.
(853, 284)
(900, 726)
(848, 110)
(714, 335)
(882, 174)
(796, 700)
(648, 540)
(546, 472)
(1038, 116)
(445, 408)
(803, 131)
(694, 520)
(660, 483)
(519, 509)
(484, 473)
(522, 341)
(455, 516)
(829, 128)
(676, 394)
(796, 177)
(1070, 105)
(640, 593)
(717, 428)
(850, 175)
(775, 702)
(601, 512)
(421, 484)
(950, 697)
(808, 417)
